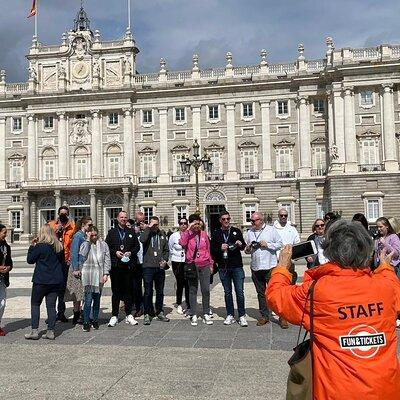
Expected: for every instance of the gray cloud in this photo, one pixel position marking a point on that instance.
(176, 29)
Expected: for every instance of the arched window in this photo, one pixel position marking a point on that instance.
(114, 162)
(49, 164)
(81, 163)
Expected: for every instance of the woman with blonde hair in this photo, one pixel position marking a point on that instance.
(47, 253)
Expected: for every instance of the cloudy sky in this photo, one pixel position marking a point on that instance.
(176, 29)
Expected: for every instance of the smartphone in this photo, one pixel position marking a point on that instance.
(303, 250)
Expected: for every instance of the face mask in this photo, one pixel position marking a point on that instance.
(125, 259)
(63, 218)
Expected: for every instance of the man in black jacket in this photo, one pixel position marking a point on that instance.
(226, 245)
(124, 246)
(155, 257)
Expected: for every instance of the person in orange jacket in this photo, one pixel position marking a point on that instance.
(64, 228)
(355, 309)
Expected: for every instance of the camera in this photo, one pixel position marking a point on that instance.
(232, 247)
(255, 245)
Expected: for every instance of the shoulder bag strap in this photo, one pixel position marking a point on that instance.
(310, 295)
(196, 247)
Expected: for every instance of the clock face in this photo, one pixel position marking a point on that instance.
(80, 70)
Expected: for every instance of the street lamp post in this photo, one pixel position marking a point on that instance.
(196, 162)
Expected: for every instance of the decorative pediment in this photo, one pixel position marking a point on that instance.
(368, 134)
(213, 146)
(80, 133)
(248, 144)
(318, 140)
(17, 156)
(180, 149)
(147, 150)
(284, 143)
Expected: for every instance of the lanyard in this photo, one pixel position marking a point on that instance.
(257, 236)
(121, 234)
(226, 237)
(155, 242)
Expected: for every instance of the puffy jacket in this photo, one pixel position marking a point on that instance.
(66, 236)
(355, 341)
(188, 242)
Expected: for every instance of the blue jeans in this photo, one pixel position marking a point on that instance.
(156, 275)
(227, 275)
(87, 306)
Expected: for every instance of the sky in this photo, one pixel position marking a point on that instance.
(177, 29)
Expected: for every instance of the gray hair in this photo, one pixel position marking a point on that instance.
(348, 244)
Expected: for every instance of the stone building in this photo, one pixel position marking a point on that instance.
(89, 131)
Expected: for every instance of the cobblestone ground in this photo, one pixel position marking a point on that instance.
(162, 361)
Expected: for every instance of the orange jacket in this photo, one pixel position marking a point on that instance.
(67, 234)
(355, 341)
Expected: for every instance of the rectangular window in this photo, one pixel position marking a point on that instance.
(148, 213)
(16, 199)
(16, 171)
(147, 162)
(213, 112)
(248, 161)
(181, 192)
(48, 122)
(180, 114)
(148, 193)
(216, 159)
(48, 170)
(247, 110)
(372, 210)
(319, 157)
(249, 190)
(16, 219)
(249, 209)
(319, 106)
(320, 212)
(147, 116)
(113, 119)
(283, 107)
(114, 166)
(176, 167)
(81, 168)
(369, 153)
(17, 124)
(367, 98)
(284, 160)
(181, 212)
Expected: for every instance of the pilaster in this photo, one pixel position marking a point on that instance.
(266, 140)
(351, 164)
(164, 165)
(128, 143)
(2, 152)
(32, 148)
(231, 142)
(338, 113)
(97, 153)
(93, 213)
(62, 146)
(304, 137)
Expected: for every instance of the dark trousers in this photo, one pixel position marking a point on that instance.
(138, 287)
(91, 305)
(39, 292)
(154, 276)
(181, 283)
(61, 292)
(260, 279)
(235, 275)
(121, 287)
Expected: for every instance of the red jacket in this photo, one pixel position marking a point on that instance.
(355, 340)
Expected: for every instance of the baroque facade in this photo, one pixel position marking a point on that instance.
(88, 131)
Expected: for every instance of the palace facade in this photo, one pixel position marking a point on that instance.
(87, 130)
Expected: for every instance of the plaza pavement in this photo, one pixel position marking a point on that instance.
(162, 361)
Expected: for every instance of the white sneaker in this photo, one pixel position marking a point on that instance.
(193, 320)
(130, 320)
(242, 321)
(211, 314)
(113, 321)
(207, 319)
(274, 316)
(179, 309)
(229, 320)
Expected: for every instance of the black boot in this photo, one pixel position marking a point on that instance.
(75, 319)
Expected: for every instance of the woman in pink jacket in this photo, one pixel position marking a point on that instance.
(198, 267)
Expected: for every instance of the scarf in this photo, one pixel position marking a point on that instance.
(93, 269)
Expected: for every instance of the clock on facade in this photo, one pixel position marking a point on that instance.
(80, 70)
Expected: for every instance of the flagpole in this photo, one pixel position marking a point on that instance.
(129, 14)
(36, 19)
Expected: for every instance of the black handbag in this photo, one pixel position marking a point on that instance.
(300, 379)
(189, 268)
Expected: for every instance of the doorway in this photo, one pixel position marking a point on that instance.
(110, 214)
(212, 217)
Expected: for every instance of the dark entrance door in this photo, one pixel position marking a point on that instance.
(212, 216)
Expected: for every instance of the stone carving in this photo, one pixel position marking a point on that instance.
(334, 152)
(77, 200)
(32, 73)
(113, 199)
(215, 196)
(79, 46)
(128, 67)
(80, 133)
(47, 202)
(96, 68)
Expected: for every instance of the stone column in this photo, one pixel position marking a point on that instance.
(339, 128)
(125, 193)
(196, 116)
(27, 216)
(266, 140)
(350, 132)
(331, 122)
(62, 146)
(34, 219)
(93, 213)
(231, 142)
(304, 138)
(100, 223)
(97, 147)
(163, 161)
(57, 197)
(32, 149)
(128, 143)
(3, 153)
(391, 163)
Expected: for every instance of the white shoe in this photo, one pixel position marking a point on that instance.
(211, 314)
(113, 321)
(242, 321)
(130, 320)
(207, 319)
(193, 320)
(229, 320)
(179, 309)
(274, 316)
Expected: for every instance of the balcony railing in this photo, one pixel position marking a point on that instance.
(14, 185)
(250, 175)
(371, 167)
(83, 182)
(318, 172)
(148, 179)
(285, 174)
(181, 178)
(214, 177)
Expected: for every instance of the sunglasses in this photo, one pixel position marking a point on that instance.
(254, 220)
(226, 219)
(320, 226)
(183, 223)
(283, 215)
